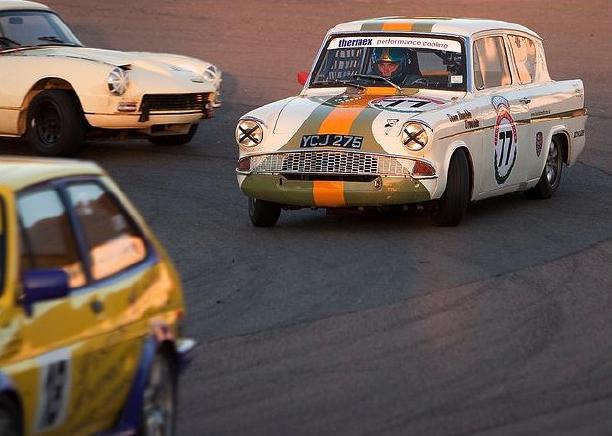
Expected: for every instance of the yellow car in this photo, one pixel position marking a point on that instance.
(90, 307)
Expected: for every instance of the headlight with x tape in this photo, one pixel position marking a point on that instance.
(249, 132)
(414, 136)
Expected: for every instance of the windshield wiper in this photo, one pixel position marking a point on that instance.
(51, 39)
(338, 83)
(7, 42)
(374, 77)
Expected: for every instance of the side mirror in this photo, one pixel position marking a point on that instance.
(302, 77)
(43, 285)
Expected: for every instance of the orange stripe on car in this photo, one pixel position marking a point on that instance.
(328, 193)
(394, 25)
(340, 120)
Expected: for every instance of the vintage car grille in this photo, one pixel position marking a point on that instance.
(331, 162)
(171, 103)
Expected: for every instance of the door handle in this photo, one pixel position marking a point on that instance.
(525, 100)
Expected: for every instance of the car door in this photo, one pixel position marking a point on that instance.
(56, 335)
(505, 112)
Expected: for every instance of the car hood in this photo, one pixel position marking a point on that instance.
(163, 64)
(350, 112)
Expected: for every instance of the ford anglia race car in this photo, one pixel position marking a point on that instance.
(398, 111)
(55, 92)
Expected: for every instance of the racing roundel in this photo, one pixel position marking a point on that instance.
(405, 104)
(506, 144)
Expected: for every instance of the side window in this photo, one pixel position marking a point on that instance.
(491, 63)
(525, 58)
(113, 242)
(47, 239)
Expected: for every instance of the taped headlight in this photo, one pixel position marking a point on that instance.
(414, 136)
(249, 133)
(117, 81)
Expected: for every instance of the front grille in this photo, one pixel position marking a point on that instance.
(331, 162)
(171, 103)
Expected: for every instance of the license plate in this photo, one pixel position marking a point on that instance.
(341, 141)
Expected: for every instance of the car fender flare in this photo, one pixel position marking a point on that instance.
(559, 129)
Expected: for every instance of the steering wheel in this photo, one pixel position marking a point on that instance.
(420, 81)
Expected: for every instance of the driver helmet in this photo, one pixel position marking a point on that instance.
(389, 62)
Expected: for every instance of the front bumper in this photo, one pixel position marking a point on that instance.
(131, 121)
(380, 191)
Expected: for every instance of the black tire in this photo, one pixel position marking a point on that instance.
(56, 126)
(159, 404)
(10, 421)
(550, 179)
(174, 140)
(453, 203)
(263, 213)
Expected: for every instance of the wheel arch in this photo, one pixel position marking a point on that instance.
(451, 150)
(561, 132)
(7, 389)
(44, 84)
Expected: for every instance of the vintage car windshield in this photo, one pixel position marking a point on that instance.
(33, 29)
(405, 61)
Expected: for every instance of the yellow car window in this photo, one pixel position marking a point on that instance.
(47, 238)
(113, 242)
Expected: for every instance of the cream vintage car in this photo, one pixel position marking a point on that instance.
(398, 111)
(55, 92)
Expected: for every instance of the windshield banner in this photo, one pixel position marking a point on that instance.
(394, 41)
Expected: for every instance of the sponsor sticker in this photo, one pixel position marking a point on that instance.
(392, 41)
(538, 143)
(578, 133)
(456, 79)
(505, 140)
(389, 125)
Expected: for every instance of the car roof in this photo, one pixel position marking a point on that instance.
(6, 5)
(440, 25)
(18, 173)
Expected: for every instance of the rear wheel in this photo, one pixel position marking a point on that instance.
(263, 213)
(551, 175)
(55, 124)
(159, 402)
(453, 204)
(173, 140)
(9, 417)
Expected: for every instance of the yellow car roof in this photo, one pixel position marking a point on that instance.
(18, 173)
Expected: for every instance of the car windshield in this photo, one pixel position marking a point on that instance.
(405, 61)
(19, 29)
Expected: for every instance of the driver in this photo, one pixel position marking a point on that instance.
(396, 64)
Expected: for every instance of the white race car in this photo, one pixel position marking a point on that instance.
(398, 111)
(55, 92)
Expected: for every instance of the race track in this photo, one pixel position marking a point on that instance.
(370, 324)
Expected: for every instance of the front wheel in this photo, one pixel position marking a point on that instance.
(159, 402)
(263, 213)
(174, 140)
(453, 203)
(550, 179)
(55, 124)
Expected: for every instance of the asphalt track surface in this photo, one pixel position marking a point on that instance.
(372, 324)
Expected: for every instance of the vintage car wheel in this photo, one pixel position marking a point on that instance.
(551, 175)
(159, 402)
(171, 140)
(263, 213)
(9, 417)
(453, 203)
(55, 124)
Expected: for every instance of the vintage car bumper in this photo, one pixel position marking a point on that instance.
(377, 191)
(132, 121)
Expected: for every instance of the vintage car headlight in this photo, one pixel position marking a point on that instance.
(414, 136)
(211, 73)
(249, 132)
(118, 81)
